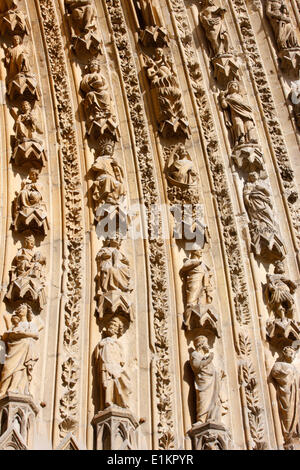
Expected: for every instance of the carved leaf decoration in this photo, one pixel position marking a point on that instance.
(167, 441)
(70, 373)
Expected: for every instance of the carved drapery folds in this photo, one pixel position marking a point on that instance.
(166, 95)
(149, 22)
(285, 36)
(212, 20)
(82, 21)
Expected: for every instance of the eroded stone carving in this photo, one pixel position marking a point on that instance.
(29, 211)
(82, 19)
(27, 276)
(286, 380)
(14, 22)
(113, 280)
(98, 103)
(181, 169)
(152, 30)
(166, 95)
(20, 80)
(21, 357)
(238, 115)
(8, 5)
(112, 375)
(266, 242)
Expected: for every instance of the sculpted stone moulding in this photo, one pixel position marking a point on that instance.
(149, 22)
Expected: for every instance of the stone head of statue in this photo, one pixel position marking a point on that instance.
(233, 87)
(29, 240)
(279, 267)
(115, 327)
(289, 354)
(201, 344)
(94, 66)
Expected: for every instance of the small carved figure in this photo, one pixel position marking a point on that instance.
(238, 115)
(19, 78)
(212, 19)
(181, 168)
(20, 359)
(280, 20)
(263, 231)
(82, 15)
(26, 125)
(198, 280)
(27, 277)
(280, 292)
(166, 94)
(97, 101)
(286, 380)
(113, 273)
(114, 380)
(29, 212)
(207, 382)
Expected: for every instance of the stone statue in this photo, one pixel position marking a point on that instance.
(29, 211)
(280, 293)
(286, 380)
(26, 125)
(181, 168)
(238, 115)
(198, 280)
(113, 273)
(280, 20)
(114, 380)
(27, 277)
(20, 359)
(97, 101)
(20, 80)
(82, 15)
(212, 19)
(207, 382)
(166, 93)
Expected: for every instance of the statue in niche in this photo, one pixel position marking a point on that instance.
(286, 380)
(20, 359)
(166, 95)
(29, 211)
(280, 293)
(82, 19)
(27, 147)
(27, 276)
(258, 203)
(279, 17)
(150, 21)
(180, 169)
(238, 115)
(111, 369)
(207, 382)
(212, 19)
(97, 102)
(20, 81)
(198, 280)
(113, 268)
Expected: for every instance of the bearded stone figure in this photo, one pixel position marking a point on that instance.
(113, 378)
(280, 20)
(238, 115)
(113, 268)
(212, 19)
(207, 383)
(280, 292)
(20, 359)
(97, 100)
(286, 380)
(29, 211)
(27, 277)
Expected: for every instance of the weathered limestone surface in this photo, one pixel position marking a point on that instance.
(150, 236)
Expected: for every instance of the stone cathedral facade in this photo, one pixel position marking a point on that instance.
(150, 224)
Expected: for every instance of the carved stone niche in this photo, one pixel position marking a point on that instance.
(166, 95)
(289, 61)
(203, 318)
(68, 443)
(82, 20)
(27, 276)
(14, 22)
(115, 430)
(29, 211)
(294, 97)
(248, 158)
(20, 81)
(6, 5)
(149, 22)
(225, 69)
(17, 422)
(210, 436)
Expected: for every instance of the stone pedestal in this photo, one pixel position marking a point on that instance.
(17, 417)
(115, 429)
(210, 436)
(289, 60)
(225, 69)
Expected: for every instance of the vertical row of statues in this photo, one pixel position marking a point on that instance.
(25, 297)
(114, 423)
(282, 327)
